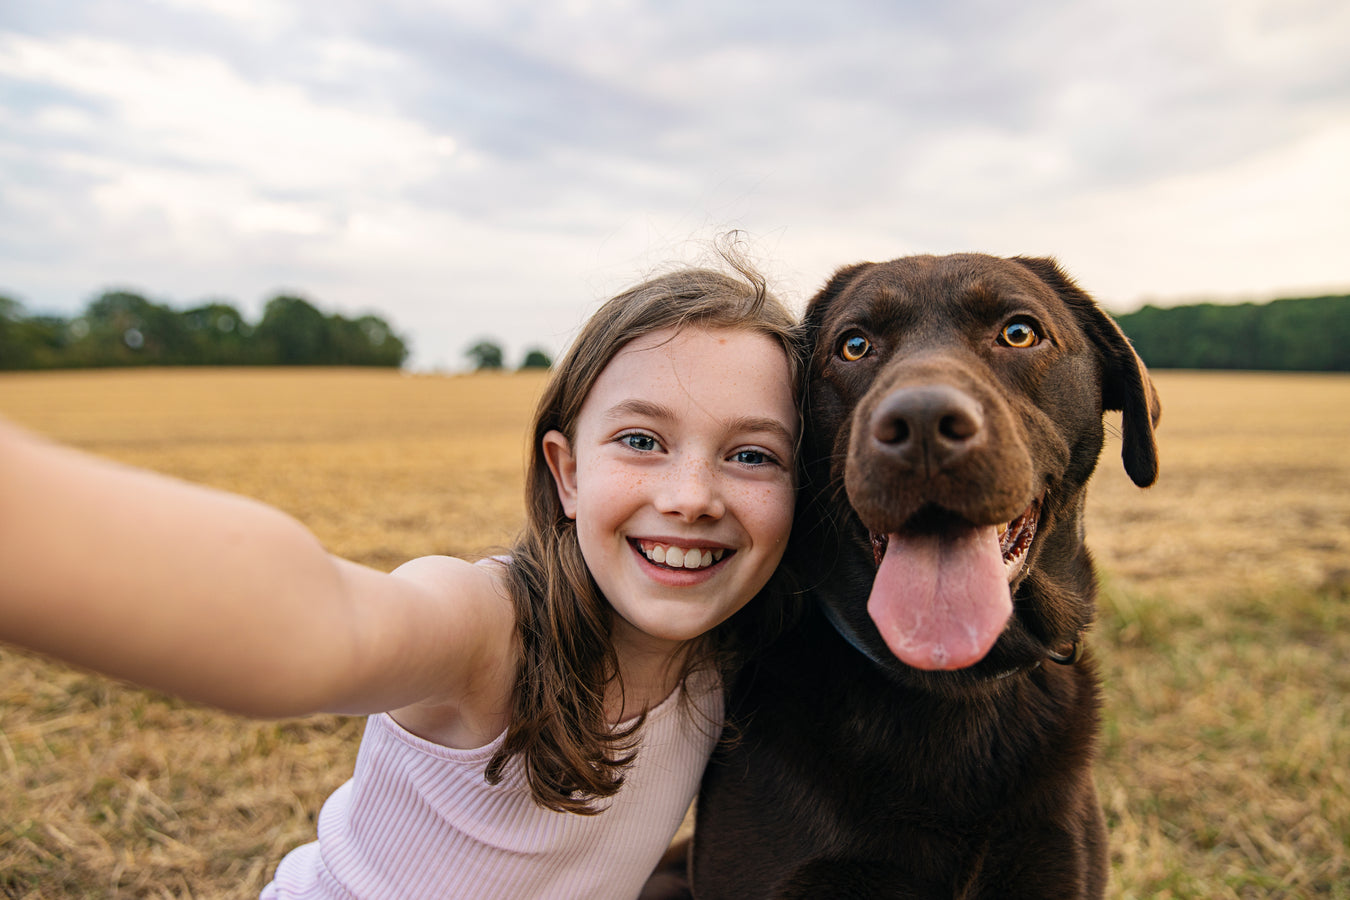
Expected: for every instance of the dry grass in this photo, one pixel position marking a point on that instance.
(1224, 636)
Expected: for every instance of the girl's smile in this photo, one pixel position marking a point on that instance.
(671, 556)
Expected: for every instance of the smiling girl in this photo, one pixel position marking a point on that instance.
(510, 699)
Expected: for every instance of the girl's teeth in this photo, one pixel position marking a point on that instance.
(682, 558)
(696, 559)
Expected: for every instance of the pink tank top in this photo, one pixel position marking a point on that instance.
(417, 820)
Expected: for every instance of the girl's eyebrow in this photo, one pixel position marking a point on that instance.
(762, 425)
(636, 406)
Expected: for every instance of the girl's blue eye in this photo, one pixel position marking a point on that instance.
(752, 457)
(640, 441)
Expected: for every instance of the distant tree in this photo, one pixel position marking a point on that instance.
(367, 341)
(294, 333)
(1307, 334)
(121, 328)
(536, 358)
(485, 355)
(219, 334)
(13, 353)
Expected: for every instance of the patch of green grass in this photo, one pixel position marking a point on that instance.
(1225, 759)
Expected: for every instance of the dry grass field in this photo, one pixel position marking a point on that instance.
(1224, 633)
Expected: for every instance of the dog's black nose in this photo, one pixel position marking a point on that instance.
(928, 428)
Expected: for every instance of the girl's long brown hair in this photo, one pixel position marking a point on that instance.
(572, 756)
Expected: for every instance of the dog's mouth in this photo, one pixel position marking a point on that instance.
(1014, 538)
(942, 596)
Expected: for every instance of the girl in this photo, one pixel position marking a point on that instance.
(511, 699)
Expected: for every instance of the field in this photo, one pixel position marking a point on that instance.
(1224, 631)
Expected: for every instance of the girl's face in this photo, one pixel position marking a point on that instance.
(681, 478)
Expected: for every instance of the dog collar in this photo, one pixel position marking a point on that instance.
(1066, 658)
(851, 636)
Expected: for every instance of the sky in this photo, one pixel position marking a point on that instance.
(497, 169)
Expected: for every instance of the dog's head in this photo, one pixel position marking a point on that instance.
(954, 416)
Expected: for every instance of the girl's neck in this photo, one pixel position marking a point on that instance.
(649, 674)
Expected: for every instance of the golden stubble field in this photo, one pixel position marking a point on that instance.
(1224, 633)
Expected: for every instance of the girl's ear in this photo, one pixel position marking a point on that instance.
(563, 464)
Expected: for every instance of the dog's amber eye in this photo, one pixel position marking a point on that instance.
(854, 347)
(1020, 335)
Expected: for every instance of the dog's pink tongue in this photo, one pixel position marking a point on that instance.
(940, 601)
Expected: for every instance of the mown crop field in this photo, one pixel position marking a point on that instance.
(1224, 632)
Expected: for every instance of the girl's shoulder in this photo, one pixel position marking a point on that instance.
(445, 564)
(477, 710)
(479, 591)
(484, 580)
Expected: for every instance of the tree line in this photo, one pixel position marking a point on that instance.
(120, 328)
(1310, 334)
(487, 355)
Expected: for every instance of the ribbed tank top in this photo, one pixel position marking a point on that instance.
(417, 820)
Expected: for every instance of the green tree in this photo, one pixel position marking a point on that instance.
(1307, 334)
(383, 346)
(294, 333)
(120, 328)
(124, 328)
(219, 335)
(366, 341)
(485, 354)
(14, 354)
(536, 358)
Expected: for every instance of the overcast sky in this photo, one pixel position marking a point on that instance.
(497, 168)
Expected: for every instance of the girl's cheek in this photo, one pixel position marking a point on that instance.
(775, 510)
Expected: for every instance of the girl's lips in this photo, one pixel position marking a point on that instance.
(675, 556)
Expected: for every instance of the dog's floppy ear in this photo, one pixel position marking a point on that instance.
(820, 303)
(1125, 383)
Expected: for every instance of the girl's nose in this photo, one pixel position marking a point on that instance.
(691, 492)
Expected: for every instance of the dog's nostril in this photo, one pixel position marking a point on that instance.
(959, 426)
(891, 430)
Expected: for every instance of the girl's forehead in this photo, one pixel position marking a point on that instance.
(734, 369)
(693, 348)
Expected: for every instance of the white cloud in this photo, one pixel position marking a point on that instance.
(197, 112)
(261, 17)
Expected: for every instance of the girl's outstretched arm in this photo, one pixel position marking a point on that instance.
(225, 600)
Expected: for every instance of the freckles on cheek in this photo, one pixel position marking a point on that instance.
(773, 510)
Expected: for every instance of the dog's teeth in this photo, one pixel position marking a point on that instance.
(1002, 530)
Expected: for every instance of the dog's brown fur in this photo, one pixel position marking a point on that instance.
(852, 774)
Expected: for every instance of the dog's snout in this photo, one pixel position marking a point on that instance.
(928, 428)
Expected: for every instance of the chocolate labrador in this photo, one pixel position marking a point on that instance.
(928, 728)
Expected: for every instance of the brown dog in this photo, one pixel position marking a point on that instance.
(928, 729)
